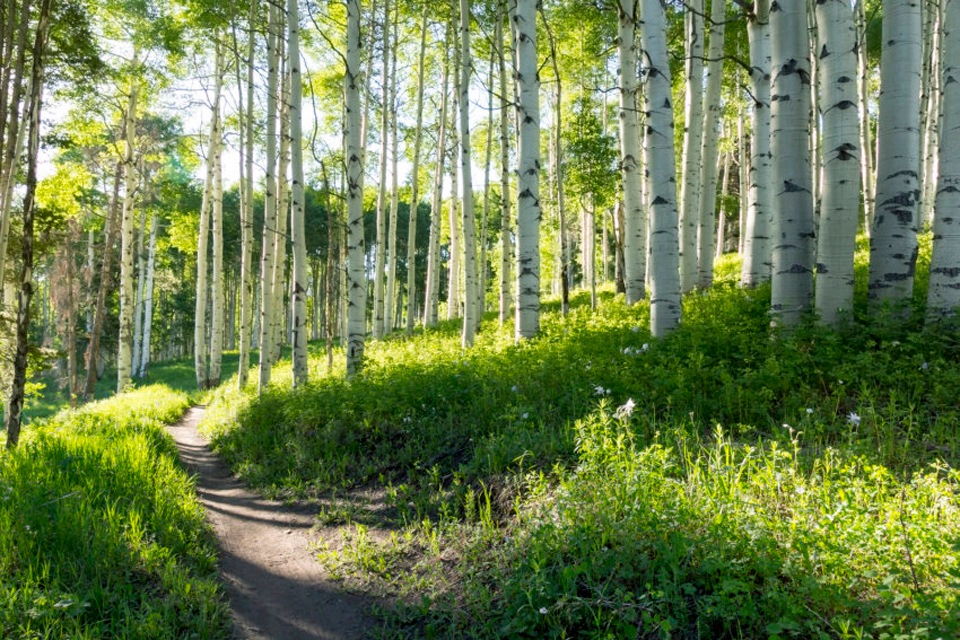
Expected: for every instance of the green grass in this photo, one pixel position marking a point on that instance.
(766, 484)
(101, 535)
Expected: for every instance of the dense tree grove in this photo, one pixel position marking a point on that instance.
(184, 177)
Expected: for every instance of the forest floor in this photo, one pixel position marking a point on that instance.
(276, 587)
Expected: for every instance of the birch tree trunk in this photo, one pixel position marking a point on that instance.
(279, 316)
(379, 320)
(14, 412)
(930, 108)
(391, 290)
(415, 181)
(216, 219)
(789, 145)
(867, 164)
(528, 169)
(141, 285)
(757, 258)
(356, 253)
(432, 284)
(841, 152)
(660, 160)
(506, 246)
(692, 141)
(270, 216)
(633, 215)
(471, 318)
(453, 217)
(144, 354)
(299, 284)
(893, 247)
(943, 295)
(125, 344)
(246, 216)
(707, 204)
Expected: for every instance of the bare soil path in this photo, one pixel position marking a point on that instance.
(277, 589)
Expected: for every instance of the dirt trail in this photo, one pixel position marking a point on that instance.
(277, 589)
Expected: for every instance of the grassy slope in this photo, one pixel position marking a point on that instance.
(763, 485)
(101, 535)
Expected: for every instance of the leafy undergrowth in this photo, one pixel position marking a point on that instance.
(101, 535)
(727, 481)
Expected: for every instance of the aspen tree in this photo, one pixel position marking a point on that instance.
(634, 233)
(707, 203)
(692, 161)
(506, 246)
(792, 274)
(356, 279)
(270, 215)
(144, 354)
(471, 319)
(759, 229)
(299, 284)
(893, 245)
(662, 187)
(380, 257)
(125, 343)
(943, 295)
(246, 215)
(841, 153)
(389, 300)
(432, 284)
(528, 169)
(415, 180)
(216, 221)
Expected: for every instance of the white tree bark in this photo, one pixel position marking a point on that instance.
(471, 317)
(634, 217)
(415, 181)
(943, 295)
(930, 107)
(841, 154)
(356, 254)
(125, 345)
(660, 156)
(432, 284)
(789, 145)
(267, 253)
(692, 161)
(299, 283)
(141, 284)
(506, 229)
(528, 169)
(246, 216)
(216, 280)
(144, 354)
(279, 316)
(380, 256)
(391, 291)
(709, 154)
(893, 247)
(867, 164)
(757, 254)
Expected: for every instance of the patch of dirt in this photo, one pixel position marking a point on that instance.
(277, 589)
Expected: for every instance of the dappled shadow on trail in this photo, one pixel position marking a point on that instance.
(276, 587)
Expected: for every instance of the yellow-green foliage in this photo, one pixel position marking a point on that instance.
(101, 535)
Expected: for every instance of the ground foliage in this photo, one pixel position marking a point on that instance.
(728, 481)
(101, 534)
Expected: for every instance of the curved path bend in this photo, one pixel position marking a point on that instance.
(277, 589)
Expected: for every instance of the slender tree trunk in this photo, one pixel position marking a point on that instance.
(930, 107)
(943, 294)
(757, 253)
(722, 224)
(456, 233)
(660, 158)
(125, 345)
(297, 230)
(693, 161)
(840, 207)
(148, 298)
(634, 232)
(471, 317)
(216, 219)
(381, 249)
(707, 204)
(893, 247)
(487, 190)
(92, 356)
(246, 213)
(506, 246)
(867, 164)
(356, 280)
(280, 291)
(415, 180)
(391, 291)
(432, 284)
(270, 215)
(528, 170)
(15, 404)
(141, 284)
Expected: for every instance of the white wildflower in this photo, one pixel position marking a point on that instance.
(925, 366)
(853, 418)
(543, 611)
(515, 389)
(645, 347)
(809, 411)
(600, 391)
(626, 409)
